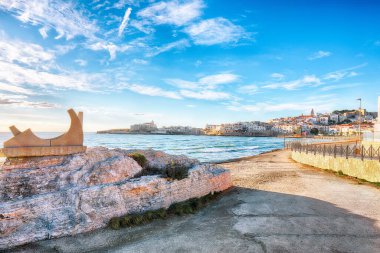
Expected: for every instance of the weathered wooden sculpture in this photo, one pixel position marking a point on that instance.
(26, 143)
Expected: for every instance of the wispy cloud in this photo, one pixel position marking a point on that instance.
(15, 89)
(25, 53)
(277, 76)
(152, 91)
(249, 89)
(206, 82)
(110, 47)
(125, 21)
(21, 101)
(320, 54)
(172, 12)
(340, 86)
(63, 17)
(205, 95)
(306, 81)
(215, 31)
(323, 103)
(343, 73)
(81, 62)
(179, 44)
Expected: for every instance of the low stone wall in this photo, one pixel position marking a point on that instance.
(366, 169)
(65, 196)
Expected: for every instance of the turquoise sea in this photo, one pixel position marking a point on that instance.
(204, 148)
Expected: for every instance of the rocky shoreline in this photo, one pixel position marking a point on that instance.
(48, 197)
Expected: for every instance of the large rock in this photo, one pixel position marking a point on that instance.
(57, 196)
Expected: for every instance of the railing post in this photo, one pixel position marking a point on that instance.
(362, 153)
(324, 150)
(347, 151)
(371, 152)
(334, 150)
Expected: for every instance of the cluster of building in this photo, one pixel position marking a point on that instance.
(251, 128)
(151, 128)
(342, 123)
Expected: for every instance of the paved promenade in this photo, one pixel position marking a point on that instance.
(277, 205)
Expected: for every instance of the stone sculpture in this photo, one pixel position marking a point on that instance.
(26, 143)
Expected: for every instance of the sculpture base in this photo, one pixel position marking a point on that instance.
(42, 151)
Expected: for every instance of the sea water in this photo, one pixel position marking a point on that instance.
(204, 148)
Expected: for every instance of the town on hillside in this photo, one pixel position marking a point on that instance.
(336, 123)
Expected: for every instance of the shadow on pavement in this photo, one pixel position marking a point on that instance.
(240, 220)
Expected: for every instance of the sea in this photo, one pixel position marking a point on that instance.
(203, 148)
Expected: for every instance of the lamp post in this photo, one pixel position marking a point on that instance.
(360, 119)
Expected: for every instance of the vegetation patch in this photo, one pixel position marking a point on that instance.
(176, 171)
(139, 158)
(181, 208)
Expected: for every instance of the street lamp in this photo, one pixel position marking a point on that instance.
(360, 119)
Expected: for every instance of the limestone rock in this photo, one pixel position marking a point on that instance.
(159, 160)
(49, 197)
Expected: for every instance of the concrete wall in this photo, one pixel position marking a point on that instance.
(367, 169)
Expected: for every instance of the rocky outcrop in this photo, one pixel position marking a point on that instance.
(50, 197)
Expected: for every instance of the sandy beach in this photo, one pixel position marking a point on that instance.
(276, 205)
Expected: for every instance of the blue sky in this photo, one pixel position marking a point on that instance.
(184, 62)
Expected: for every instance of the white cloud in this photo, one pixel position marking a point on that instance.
(320, 54)
(15, 89)
(205, 95)
(249, 89)
(322, 103)
(339, 75)
(340, 86)
(177, 12)
(44, 31)
(179, 44)
(152, 91)
(306, 81)
(17, 75)
(125, 21)
(206, 82)
(140, 61)
(26, 53)
(343, 73)
(213, 80)
(81, 62)
(110, 47)
(21, 101)
(277, 76)
(62, 16)
(215, 31)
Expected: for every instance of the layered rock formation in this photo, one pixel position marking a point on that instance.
(47, 197)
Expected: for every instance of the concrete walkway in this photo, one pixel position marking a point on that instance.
(276, 206)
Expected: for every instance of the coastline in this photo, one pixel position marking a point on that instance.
(245, 158)
(267, 136)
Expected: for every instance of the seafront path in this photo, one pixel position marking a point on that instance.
(277, 205)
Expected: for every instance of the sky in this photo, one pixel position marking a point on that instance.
(184, 62)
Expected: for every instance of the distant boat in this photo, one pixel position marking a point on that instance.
(26, 143)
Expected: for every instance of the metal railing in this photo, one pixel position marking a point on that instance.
(352, 150)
